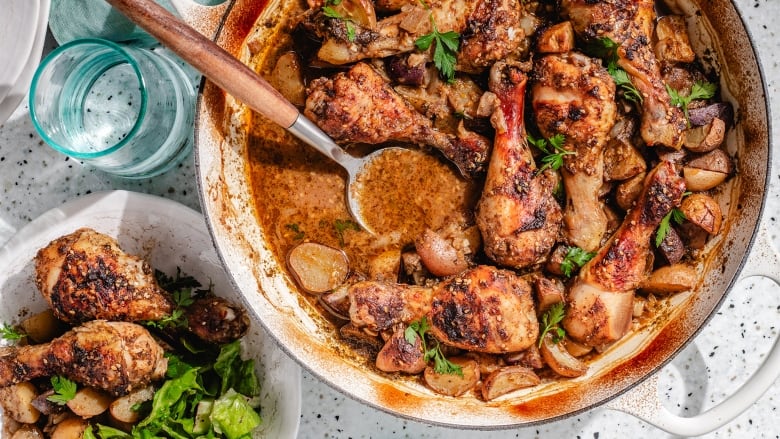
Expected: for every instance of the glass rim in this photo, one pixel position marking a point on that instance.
(34, 87)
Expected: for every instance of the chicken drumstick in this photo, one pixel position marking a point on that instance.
(575, 96)
(601, 298)
(517, 214)
(116, 357)
(629, 23)
(85, 275)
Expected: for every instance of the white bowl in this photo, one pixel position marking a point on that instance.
(22, 34)
(168, 235)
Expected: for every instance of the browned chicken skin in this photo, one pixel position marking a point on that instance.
(392, 35)
(517, 214)
(630, 23)
(116, 357)
(600, 300)
(575, 96)
(85, 275)
(360, 106)
(492, 33)
(483, 309)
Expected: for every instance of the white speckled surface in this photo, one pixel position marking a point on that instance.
(34, 178)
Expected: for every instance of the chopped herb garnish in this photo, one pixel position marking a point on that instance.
(699, 90)
(553, 157)
(445, 52)
(332, 13)
(575, 256)
(295, 228)
(343, 225)
(606, 49)
(181, 288)
(550, 320)
(441, 365)
(622, 80)
(64, 390)
(663, 229)
(10, 333)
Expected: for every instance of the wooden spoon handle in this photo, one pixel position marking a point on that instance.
(212, 61)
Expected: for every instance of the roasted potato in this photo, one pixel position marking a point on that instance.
(508, 379)
(121, 409)
(628, 191)
(439, 255)
(670, 279)
(453, 384)
(622, 161)
(42, 327)
(317, 268)
(697, 179)
(673, 44)
(703, 211)
(28, 431)
(705, 138)
(287, 78)
(89, 402)
(716, 160)
(16, 401)
(72, 427)
(549, 291)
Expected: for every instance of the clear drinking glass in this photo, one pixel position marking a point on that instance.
(125, 110)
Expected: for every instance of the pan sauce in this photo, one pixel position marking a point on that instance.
(299, 196)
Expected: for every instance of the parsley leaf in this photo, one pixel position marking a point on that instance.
(181, 288)
(606, 49)
(550, 320)
(699, 90)
(10, 333)
(348, 23)
(446, 49)
(343, 225)
(441, 365)
(553, 156)
(64, 390)
(575, 256)
(622, 80)
(663, 228)
(295, 228)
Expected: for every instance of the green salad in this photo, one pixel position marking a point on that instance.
(202, 397)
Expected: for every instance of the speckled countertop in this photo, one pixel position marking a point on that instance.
(34, 179)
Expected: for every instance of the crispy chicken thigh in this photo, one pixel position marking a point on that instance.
(600, 300)
(85, 275)
(483, 309)
(360, 106)
(116, 357)
(630, 23)
(517, 214)
(575, 96)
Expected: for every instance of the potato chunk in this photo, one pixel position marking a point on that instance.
(508, 379)
(453, 384)
(16, 401)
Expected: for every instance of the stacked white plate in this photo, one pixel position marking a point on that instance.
(23, 26)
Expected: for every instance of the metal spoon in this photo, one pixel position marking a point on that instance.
(231, 75)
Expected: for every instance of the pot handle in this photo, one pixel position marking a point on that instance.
(643, 401)
(205, 19)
